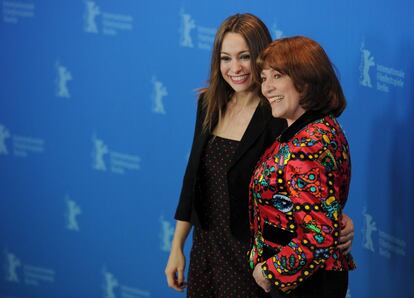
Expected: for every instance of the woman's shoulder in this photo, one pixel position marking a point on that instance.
(321, 135)
(322, 125)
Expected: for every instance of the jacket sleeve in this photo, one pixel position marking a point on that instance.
(314, 219)
(185, 204)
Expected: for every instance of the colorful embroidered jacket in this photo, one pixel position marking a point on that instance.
(297, 193)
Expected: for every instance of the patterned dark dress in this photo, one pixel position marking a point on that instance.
(218, 262)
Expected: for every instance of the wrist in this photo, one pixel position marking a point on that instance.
(177, 245)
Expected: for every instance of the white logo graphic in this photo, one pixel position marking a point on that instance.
(20, 146)
(167, 231)
(16, 11)
(110, 23)
(29, 274)
(160, 91)
(389, 245)
(92, 11)
(100, 149)
(113, 288)
(383, 77)
(63, 76)
(277, 33)
(367, 61)
(4, 134)
(187, 24)
(12, 264)
(117, 162)
(73, 210)
(110, 283)
(369, 226)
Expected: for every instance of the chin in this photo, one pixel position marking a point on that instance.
(239, 88)
(275, 112)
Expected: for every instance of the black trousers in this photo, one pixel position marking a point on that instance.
(322, 284)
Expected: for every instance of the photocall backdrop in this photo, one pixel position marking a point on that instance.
(97, 115)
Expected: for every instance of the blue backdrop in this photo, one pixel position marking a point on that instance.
(97, 108)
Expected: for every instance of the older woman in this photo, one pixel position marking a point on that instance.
(301, 183)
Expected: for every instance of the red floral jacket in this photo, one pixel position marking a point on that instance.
(297, 193)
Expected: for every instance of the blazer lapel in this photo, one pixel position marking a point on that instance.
(200, 144)
(255, 128)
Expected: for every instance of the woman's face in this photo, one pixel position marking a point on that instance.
(282, 95)
(235, 62)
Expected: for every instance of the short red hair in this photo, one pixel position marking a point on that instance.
(311, 71)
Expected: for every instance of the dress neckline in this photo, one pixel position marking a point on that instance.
(223, 138)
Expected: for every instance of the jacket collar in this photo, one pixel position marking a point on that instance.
(299, 124)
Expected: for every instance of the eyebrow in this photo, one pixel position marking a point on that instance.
(239, 53)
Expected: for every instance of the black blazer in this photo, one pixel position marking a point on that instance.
(259, 135)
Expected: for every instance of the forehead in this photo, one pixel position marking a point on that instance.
(234, 42)
(267, 70)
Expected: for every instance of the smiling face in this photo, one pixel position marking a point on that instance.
(282, 95)
(235, 62)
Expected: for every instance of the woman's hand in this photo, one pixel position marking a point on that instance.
(174, 270)
(260, 279)
(347, 234)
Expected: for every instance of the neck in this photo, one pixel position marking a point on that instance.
(300, 111)
(244, 99)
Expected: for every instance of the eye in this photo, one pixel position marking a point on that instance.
(245, 57)
(225, 58)
(277, 75)
(262, 79)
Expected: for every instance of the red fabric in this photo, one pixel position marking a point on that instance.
(297, 191)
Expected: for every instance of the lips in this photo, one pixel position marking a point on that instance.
(277, 98)
(239, 79)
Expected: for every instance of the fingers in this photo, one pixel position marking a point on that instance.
(260, 279)
(180, 278)
(266, 288)
(347, 226)
(346, 242)
(170, 279)
(175, 282)
(346, 237)
(345, 247)
(264, 285)
(175, 270)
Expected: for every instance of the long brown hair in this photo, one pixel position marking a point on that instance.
(311, 71)
(218, 92)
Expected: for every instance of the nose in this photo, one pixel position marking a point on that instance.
(267, 88)
(236, 66)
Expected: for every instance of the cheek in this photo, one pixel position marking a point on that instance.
(262, 89)
(223, 70)
(247, 65)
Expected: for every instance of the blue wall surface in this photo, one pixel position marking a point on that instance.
(97, 109)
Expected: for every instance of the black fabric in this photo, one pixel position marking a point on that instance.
(322, 284)
(260, 134)
(277, 235)
(218, 261)
(301, 122)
